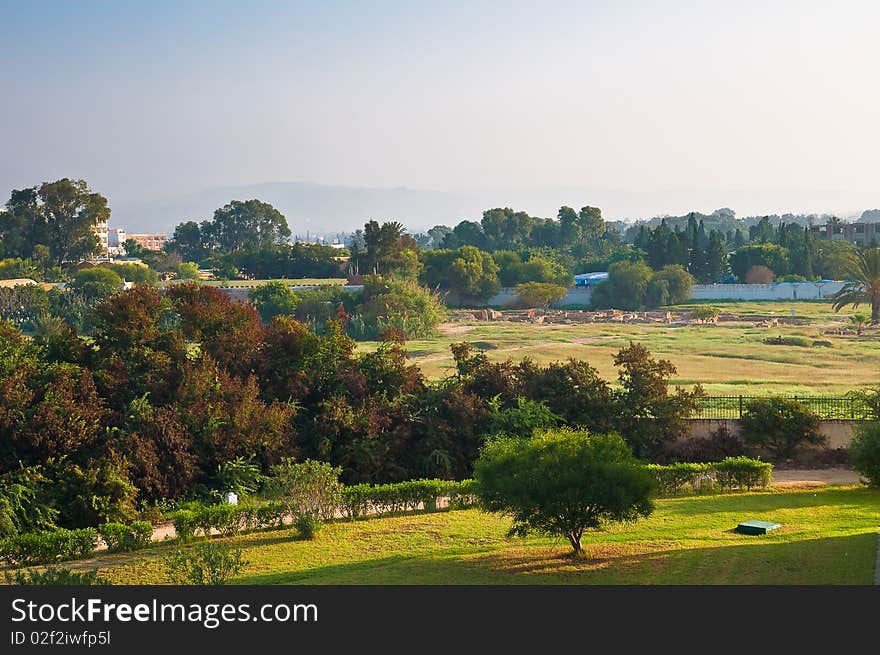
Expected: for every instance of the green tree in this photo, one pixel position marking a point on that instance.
(563, 482)
(859, 320)
(188, 271)
(190, 241)
(864, 451)
(648, 415)
(540, 294)
(863, 283)
(388, 251)
(273, 298)
(97, 283)
(625, 287)
(400, 304)
(134, 273)
(469, 274)
(133, 248)
(716, 259)
(243, 225)
(773, 256)
(780, 425)
(60, 215)
(671, 286)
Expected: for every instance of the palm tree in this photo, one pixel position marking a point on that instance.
(858, 320)
(863, 283)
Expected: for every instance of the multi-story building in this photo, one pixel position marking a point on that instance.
(860, 234)
(116, 241)
(101, 231)
(149, 241)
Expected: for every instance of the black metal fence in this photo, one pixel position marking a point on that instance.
(842, 408)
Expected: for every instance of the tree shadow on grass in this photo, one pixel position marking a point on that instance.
(753, 560)
(770, 500)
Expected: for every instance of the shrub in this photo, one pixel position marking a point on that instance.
(308, 487)
(864, 452)
(185, 524)
(780, 425)
(742, 473)
(209, 563)
(96, 283)
(271, 515)
(356, 500)
(48, 546)
(308, 525)
(241, 476)
(121, 538)
(680, 477)
(55, 576)
(223, 518)
(803, 342)
(539, 294)
(463, 494)
(563, 482)
(705, 313)
(400, 304)
(719, 444)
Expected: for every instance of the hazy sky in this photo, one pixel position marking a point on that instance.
(158, 98)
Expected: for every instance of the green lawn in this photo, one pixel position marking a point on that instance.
(828, 536)
(727, 359)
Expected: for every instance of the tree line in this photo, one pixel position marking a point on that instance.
(171, 385)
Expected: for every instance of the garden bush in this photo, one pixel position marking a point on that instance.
(308, 525)
(121, 538)
(728, 474)
(681, 477)
(309, 487)
(864, 452)
(356, 500)
(223, 517)
(741, 473)
(185, 524)
(271, 515)
(48, 546)
(719, 444)
(54, 576)
(780, 425)
(208, 563)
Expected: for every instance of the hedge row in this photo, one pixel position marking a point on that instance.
(740, 473)
(357, 501)
(228, 519)
(48, 546)
(121, 538)
(362, 499)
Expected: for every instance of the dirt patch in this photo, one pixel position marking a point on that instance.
(808, 478)
(449, 328)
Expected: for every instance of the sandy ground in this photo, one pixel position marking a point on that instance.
(813, 477)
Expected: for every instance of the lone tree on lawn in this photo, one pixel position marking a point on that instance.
(863, 283)
(563, 482)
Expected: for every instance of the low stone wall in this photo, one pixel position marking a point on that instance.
(839, 433)
(580, 296)
(778, 291)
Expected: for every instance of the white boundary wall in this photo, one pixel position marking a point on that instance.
(580, 296)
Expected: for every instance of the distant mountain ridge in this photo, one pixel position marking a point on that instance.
(328, 209)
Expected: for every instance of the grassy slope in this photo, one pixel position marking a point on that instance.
(829, 536)
(725, 359)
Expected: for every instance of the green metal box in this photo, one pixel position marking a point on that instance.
(756, 527)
